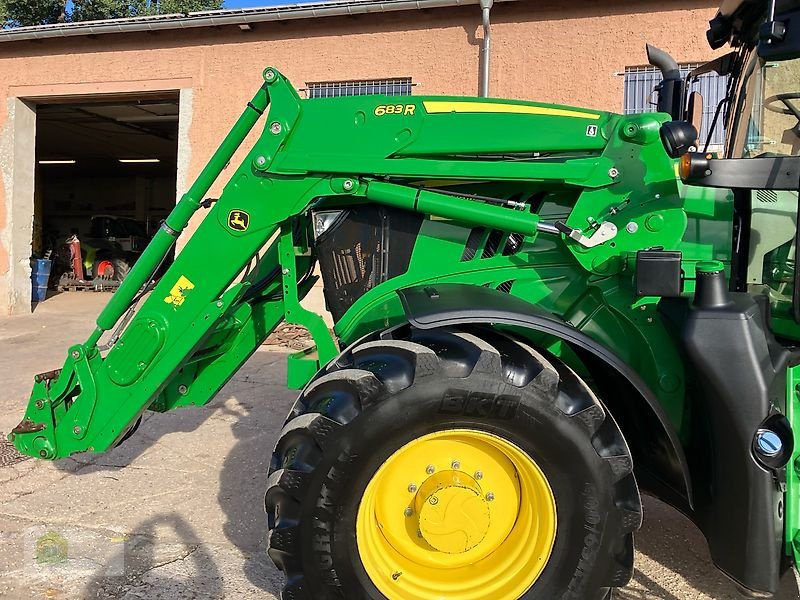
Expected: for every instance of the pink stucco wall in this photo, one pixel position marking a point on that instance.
(564, 52)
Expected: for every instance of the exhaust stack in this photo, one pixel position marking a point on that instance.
(671, 89)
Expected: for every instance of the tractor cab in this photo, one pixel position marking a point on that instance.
(761, 162)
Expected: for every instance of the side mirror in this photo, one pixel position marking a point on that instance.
(678, 137)
(694, 110)
(779, 39)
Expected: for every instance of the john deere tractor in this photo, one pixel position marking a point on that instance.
(536, 320)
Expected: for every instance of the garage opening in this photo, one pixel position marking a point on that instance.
(105, 178)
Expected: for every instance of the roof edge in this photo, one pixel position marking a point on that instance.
(217, 18)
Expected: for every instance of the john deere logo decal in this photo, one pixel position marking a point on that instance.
(238, 220)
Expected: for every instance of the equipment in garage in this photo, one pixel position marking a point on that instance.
(106, 177)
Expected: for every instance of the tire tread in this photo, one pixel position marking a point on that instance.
(496, 353)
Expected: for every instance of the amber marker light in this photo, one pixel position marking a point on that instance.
(694, 166)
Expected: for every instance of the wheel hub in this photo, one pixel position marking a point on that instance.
(453, 513)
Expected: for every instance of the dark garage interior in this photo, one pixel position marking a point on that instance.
(106, 173)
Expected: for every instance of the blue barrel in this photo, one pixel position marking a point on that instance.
(40, 275)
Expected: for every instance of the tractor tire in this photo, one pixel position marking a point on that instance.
(121, 268)
(103, 268)
(114, 269)
(455, 464)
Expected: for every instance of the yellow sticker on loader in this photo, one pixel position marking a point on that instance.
(177, 295)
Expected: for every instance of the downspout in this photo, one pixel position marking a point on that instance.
(486, 7)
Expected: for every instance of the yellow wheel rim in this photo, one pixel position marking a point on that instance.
(458, 514)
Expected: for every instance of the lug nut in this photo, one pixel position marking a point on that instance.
(455, 464)
(430, 469)
(478, 474)
(412, 488)
(490, 496)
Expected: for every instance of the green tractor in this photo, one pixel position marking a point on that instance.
(536, 321)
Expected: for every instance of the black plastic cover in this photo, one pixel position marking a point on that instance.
(658, 273)
(736, 379)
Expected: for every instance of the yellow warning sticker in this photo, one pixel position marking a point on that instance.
(177, 295)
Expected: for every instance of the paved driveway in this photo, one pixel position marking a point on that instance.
(177, 511)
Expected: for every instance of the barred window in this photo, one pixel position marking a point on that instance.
(399, 86)
(640, 83)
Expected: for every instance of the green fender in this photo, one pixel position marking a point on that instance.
(661, 465)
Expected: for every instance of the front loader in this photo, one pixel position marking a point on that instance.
(536, 320)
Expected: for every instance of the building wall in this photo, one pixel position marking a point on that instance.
(569, 53)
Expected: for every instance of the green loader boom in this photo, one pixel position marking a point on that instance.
(540, 311)
(210, 311)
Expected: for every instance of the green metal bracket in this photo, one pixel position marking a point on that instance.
(82, 415)
(302, 366)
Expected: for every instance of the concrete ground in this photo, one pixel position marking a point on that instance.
(177, 511)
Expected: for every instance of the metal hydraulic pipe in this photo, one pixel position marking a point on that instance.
(486, 49)
(178, 219)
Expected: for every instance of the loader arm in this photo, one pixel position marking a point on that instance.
(248, 264)
(204, 317)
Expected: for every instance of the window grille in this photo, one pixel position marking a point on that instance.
(640, 83)
(399, 86)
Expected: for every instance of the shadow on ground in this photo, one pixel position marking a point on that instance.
(673, 562)
(179, 567)
(264, 402)
(252, 407)
(152, 428)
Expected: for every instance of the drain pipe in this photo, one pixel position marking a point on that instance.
(486, 7)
